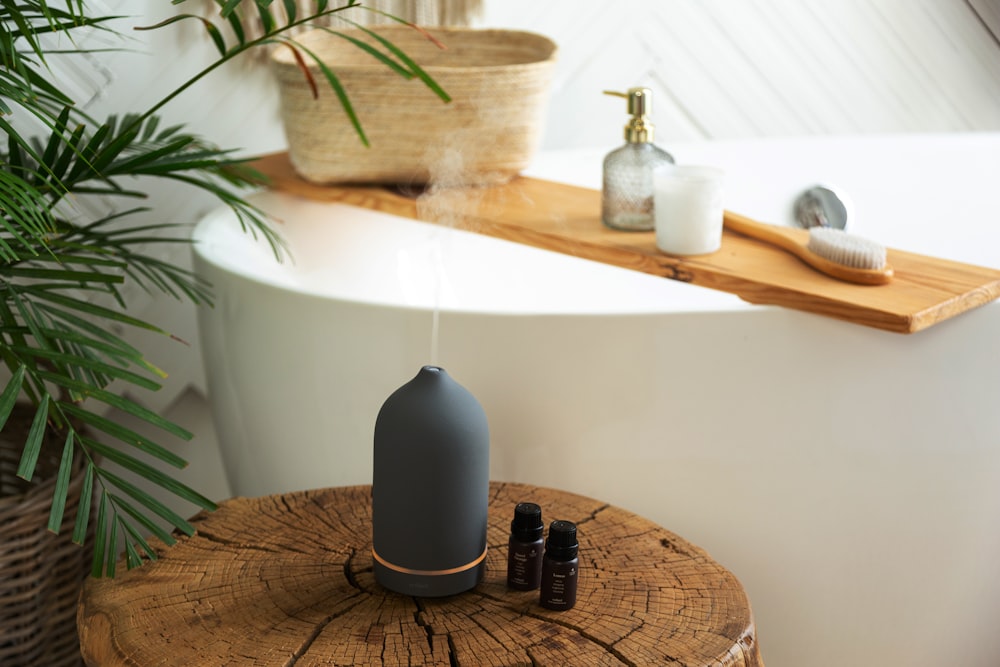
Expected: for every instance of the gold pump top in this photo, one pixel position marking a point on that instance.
(639, 129)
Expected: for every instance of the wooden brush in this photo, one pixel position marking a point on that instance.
(831, 251)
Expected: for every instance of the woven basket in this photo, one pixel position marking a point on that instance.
(498, 81)
(40, 573)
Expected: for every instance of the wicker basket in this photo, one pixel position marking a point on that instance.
(498, 81)
(40, 573)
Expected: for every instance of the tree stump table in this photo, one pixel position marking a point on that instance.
(287, 580)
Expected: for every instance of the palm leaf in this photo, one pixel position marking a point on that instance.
(406, 60)
(114, 400)
(266, 17)
(87, 362)
(10, 393)
(228, 7)
(237, 27)
(56, 139)
(27, 219)
(134, 558)
(37, 273)
(210, 28)
(33, 444)
(100, 341)
(338, 89)
(101, 541)
(84, 507)
(124, 435)
(150, 503)
(151, 474)
(112, 548)
(374, 52)
(62, 485)
(48, 292)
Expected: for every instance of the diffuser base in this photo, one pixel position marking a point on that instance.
(429, 585)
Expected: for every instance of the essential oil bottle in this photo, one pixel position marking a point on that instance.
(524, 555)
(560, 567)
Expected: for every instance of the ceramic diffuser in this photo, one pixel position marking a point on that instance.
(430, 489)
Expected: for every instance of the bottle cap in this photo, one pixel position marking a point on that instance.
(562, 543)
(639, 129)
(527, 524)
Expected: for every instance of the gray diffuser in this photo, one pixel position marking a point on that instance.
(430, 489)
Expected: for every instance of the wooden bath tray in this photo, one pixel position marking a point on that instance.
(566, 219)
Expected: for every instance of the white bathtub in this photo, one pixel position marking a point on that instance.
(848, 476)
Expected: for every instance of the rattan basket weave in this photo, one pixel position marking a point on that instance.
(498, 81)
(40, 573)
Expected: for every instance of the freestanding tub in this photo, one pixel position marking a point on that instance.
(848, 476)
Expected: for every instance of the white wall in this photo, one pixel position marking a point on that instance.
(724, 69)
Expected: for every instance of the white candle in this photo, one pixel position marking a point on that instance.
(687, 205)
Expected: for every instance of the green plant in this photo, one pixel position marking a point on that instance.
(58, 344)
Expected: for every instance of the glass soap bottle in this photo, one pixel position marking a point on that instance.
(627, 190)
(524, 555)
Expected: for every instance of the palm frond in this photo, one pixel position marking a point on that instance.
(62, 347)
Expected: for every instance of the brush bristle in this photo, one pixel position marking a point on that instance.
(846, 249)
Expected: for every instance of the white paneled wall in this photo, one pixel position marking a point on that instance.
(724, 69)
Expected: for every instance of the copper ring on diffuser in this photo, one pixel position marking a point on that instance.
(430, 573)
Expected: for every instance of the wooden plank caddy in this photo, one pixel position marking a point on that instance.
(565, 218)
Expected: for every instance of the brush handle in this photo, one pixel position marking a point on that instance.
(787, 238)
(791, 240)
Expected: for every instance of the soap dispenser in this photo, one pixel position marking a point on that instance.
(627, 191)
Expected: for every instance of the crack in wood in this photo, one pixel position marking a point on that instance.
(317, 631)
(349, 572)
(489, 633)
(288, 507)
(419, 620)
(641, 626)
(216, 539)
(610, 648)
(593, 515)
(381, 654)
(322, 513)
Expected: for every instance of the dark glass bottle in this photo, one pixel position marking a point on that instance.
(524, 554)
(560, 567)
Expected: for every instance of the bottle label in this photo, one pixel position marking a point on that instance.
(524, 565)
(559, 580)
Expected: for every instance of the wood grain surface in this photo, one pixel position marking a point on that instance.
(287, 580)
(565, 218)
